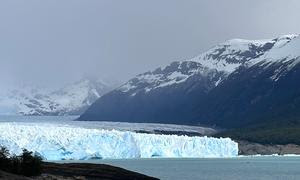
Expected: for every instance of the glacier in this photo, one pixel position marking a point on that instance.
(64, 142)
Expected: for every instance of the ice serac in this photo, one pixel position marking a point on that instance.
(55, 142)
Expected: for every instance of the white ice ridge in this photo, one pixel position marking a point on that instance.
(54, 142)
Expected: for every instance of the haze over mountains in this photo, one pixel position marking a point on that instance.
(71, 99)
(237, 83)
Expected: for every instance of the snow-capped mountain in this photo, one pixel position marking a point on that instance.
(72, 99)
(237, 75)
(215, 64)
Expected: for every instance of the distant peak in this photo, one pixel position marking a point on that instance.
(238, 41)
(288, 36)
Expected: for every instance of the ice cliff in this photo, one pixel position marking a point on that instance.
(59, 142)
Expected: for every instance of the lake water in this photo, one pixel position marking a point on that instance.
(241, 168)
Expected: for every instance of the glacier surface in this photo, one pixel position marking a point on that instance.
(61, 142)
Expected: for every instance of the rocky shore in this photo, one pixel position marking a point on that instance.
(77, 171)
(250, 148)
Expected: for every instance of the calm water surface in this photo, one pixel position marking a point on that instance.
(242, 168)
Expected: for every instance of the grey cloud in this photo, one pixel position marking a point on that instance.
(60, 40)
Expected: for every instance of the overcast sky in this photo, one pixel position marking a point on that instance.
(63, 39)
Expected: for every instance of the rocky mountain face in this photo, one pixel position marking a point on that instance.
(72, 99)
(234, 84)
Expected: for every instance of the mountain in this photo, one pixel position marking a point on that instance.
(73, 99)
(238, 83)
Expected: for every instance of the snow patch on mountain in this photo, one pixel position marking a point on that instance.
(286, 48)
(224, 58)
(285, 54)
(54, 142)
(233, 53)
(175, 73)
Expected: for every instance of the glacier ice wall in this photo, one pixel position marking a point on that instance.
(58, 142)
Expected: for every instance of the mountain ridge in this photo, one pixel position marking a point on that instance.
(240, 74)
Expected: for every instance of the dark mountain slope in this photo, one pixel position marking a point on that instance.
(249, 96)
(239, 83)
(157, 104)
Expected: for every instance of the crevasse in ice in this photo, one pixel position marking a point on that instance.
(58, 142)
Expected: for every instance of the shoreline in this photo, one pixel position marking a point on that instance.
(252, 148)
(91, 171)
(79, 171)
(101, 170)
